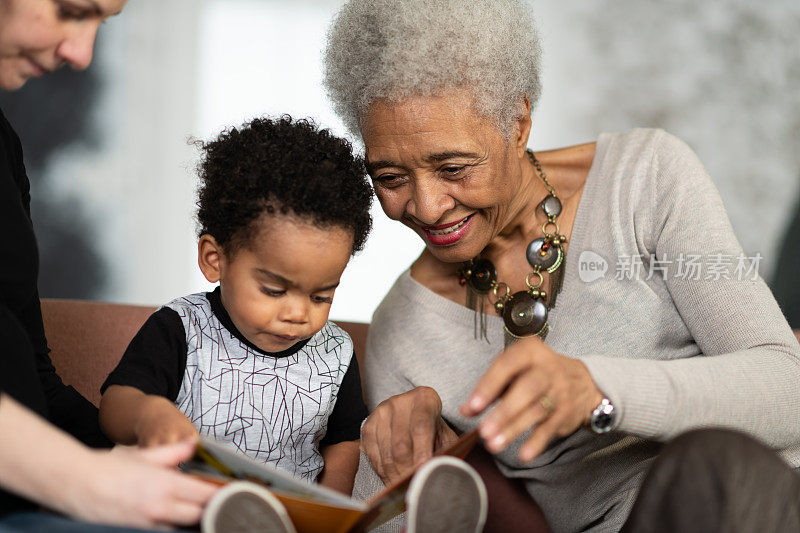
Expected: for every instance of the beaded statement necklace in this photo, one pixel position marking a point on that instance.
(524, 312)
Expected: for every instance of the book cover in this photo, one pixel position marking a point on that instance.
(312, 507)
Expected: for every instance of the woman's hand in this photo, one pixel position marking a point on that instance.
(535, 387)
(404, 431)
(136, 487)
(126, 486)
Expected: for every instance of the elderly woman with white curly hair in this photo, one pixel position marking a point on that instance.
(580, 306)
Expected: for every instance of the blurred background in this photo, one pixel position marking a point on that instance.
(112, 170)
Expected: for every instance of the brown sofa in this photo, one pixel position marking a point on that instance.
(87, 340)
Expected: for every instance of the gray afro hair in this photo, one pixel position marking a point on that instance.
(395, 49)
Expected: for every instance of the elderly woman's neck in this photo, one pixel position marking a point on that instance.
(523, 219)
(566, 170)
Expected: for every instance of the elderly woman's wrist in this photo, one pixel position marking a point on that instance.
(593, 396)
(595, 400)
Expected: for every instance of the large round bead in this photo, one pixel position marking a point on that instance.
(549, 260)
(551, 206)
(524, 315)
(483, 275)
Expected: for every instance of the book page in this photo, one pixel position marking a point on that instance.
(230, 462)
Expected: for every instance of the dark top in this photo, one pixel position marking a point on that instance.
(786, 282)
(26, 372)
(155, 362)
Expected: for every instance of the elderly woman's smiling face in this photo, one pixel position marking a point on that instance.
(443, 171)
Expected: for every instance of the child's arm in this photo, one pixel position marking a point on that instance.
(137, 404)
(340, 446)
(341, 464)
(129, 416)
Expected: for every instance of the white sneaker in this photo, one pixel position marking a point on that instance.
(446, 495)
(241, 507)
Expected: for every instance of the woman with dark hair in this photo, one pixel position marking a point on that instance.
(45, 425)
(594, 295)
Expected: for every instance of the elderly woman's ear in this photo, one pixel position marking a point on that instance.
(522, 127)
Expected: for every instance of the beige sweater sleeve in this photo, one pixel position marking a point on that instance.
(747, 375)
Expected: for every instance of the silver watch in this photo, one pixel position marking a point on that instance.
(604, 417)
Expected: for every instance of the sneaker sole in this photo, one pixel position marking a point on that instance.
(243, 507)
(446, 495)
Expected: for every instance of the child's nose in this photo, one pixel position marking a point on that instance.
(295, 310)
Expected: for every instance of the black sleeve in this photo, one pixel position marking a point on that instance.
(19, 264)
(155, 359)
(19, 261)
(67, 408)
(785, 283)
(18, 376)
(349, 411)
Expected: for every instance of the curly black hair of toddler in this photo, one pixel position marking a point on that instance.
(286, 166)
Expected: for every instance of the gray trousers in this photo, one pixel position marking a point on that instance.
(368, 484)
(717, 480)
(41, 522)
(704, 481)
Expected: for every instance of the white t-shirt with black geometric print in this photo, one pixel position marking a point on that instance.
(274, 409)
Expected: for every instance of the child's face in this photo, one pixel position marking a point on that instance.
(278, 290)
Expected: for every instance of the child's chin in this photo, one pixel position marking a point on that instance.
(277, 343)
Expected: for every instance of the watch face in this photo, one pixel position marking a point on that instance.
(604, 417)
(603, 420)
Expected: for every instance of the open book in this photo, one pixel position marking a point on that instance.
(312, 507)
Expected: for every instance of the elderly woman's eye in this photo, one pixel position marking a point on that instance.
(453, 170)
(387, 180)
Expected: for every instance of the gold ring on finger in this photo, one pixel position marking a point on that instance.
(547, 403)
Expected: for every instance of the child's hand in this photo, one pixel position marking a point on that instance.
(162, 423)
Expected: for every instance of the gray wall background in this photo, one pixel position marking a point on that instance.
(724, 76)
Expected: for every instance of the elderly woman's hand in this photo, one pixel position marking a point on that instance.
(535, 387)
(404, 431)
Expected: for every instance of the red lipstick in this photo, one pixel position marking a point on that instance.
(447, 234)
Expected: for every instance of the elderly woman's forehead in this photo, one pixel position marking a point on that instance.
(453, 109)
(454, 101)
(426, 130)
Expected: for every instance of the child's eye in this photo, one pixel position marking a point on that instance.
(322, 299)
(272, 292)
